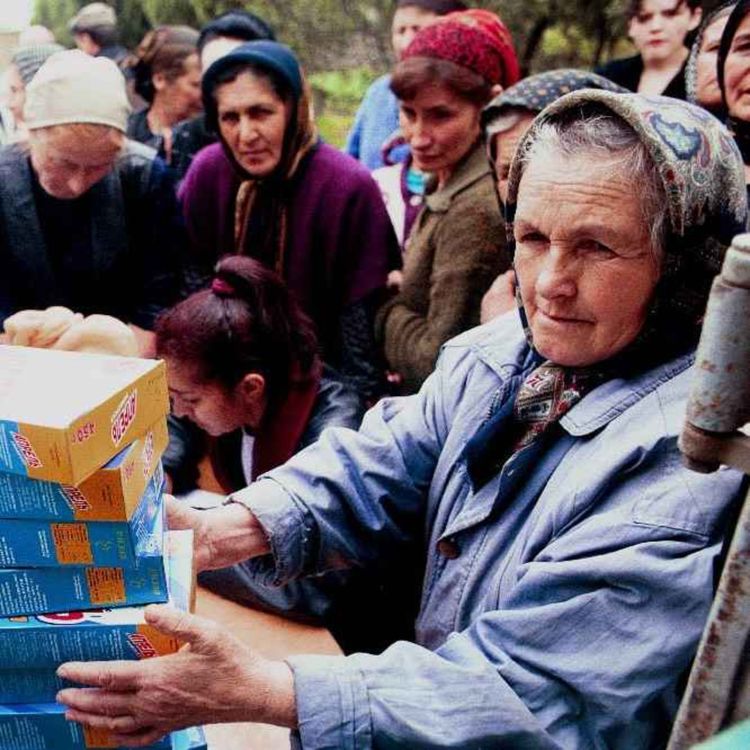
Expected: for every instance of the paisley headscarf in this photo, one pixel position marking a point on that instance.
(691, 66)
(261, 205)
(700, 170)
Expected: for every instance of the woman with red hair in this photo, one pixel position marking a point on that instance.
(448, 73)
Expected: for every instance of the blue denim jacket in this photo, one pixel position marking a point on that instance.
(558, 611)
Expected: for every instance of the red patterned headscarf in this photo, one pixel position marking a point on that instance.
(475, 39)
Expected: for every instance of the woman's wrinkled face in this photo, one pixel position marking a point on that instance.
(16, 93)
(407, 22)
(737, 73)
(252, 122)
(209, 404)
(659, 28)
(707, 89)
(67, 165)
(584, 262)
(182, 95)
(439, 126)
(504, 147)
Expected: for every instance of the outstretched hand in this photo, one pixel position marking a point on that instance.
(213, 678)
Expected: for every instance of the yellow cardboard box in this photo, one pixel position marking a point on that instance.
(63, 415)
(111, 493)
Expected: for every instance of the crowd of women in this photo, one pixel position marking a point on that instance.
(506, 546)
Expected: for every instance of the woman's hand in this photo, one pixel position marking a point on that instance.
(223, 536)
(499, 298)
(213, 678)
(395, 280)
(40, 328)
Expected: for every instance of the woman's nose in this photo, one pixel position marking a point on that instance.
(557, 276)
(247, 130)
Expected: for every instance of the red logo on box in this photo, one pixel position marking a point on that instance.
(76, 499)
(142, 645)
(26, 451)
(124, 417)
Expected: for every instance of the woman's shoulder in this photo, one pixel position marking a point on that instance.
(210, 167)
(328, 164)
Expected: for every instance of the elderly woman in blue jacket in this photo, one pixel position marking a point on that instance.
(569, 555)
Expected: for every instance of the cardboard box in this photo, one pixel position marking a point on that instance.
(111, 493)
(63, 415)
(28, 542)
(40, 642)
(43, 726)
(27, 591)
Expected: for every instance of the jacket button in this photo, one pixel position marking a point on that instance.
(448, 548)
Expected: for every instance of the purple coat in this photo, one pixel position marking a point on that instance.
(341, 245)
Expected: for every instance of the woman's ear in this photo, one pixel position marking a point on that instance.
(252, 392)
(159, 81)
(496, 90)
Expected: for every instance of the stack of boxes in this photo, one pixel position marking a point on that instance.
(82, 541)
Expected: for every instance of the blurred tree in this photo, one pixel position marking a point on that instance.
(337, 34)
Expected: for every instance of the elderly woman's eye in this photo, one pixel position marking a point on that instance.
(594, 246)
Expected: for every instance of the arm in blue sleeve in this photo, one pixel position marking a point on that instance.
(354, 497)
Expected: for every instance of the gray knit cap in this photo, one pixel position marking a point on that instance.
(29, 59)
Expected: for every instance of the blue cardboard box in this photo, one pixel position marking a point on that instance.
(27, 591)
(42, 726)
(34, 543)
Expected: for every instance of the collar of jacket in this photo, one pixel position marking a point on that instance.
(474, 167)
(597, 408)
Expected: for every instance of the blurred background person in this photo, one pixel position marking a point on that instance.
(94, 30)
(219, 36)
(88, 220)
(658, 29)
(377, 117)
(24, 64)
(701, 71)
(273, 191)
(166, 72)
(505, 121)
(448, 73)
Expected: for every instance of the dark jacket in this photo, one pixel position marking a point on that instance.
(188, 138)
(115, 250)
(627, 72)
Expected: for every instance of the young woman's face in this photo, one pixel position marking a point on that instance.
(213, 407)
(252, 121)
(439, 126)
(659, 28)
(16, 93)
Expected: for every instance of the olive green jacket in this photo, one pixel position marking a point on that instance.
(454, 253)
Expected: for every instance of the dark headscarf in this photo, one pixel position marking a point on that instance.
(261, 205)
(538, 91)
(700, 171)
(691, 72)
(740, 128)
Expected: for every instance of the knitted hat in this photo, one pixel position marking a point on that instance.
(29, 59)
(475, 39)
(73, 87)
(438, 7)
(93, 16)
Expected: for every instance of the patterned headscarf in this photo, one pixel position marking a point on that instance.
(700, 169)
(538, 91)
(691, 67)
